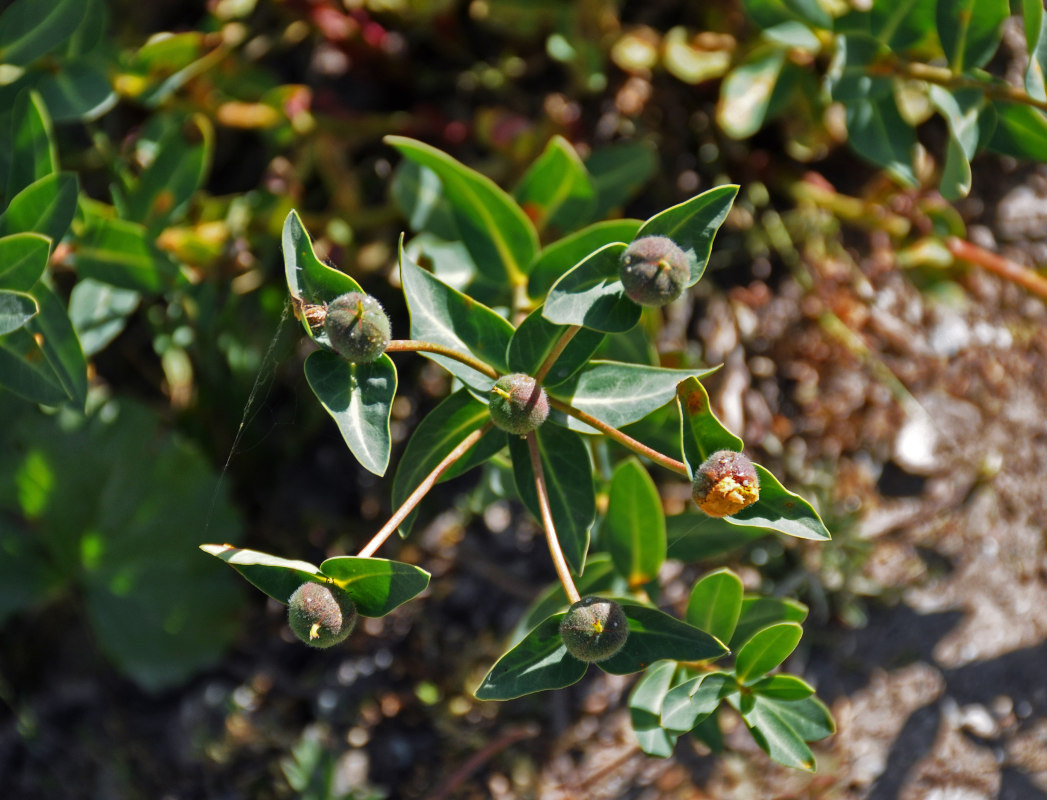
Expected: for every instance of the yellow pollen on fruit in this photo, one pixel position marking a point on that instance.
(598, 627)
(314, 632)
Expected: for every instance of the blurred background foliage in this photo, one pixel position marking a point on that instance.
(150, 151)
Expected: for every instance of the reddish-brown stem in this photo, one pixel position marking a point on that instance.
(423, 488)
(1005, 268)
(559, 562)
(416, 346)
(561, 345)
(622, 438)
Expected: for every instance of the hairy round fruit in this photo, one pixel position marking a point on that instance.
(725, 483)
(320, 615)
(518, 404)
(357, 327)
(654, 270)
(594, 628)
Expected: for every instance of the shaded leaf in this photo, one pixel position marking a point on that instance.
(29, 28)
(591, 294)
(766, 13)
(377, 585)
(745, 93)
(696, 536)
(419, 193)
(693, 700)
(619, 171)
(33, 154)
(761, 612)
(716, 603)
(772, 732)
(99, 313)
(655, 635)
(57, 340)
(557, 190)
(878, 133)
(702, 432)
(123, 254)
(536, 337)
(23, 259)
(359, 398)
(79, 91)
(45, 206)
(565, 253)
(539, 662)
(634, 526)
(645, 705)
(970, 31)
(16, 309)
(277, 577)
(1021, 131)
(782, 687)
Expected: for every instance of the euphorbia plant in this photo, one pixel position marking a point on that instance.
(535, 379)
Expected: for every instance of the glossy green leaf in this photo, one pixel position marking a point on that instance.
(599, 578)
(536, 337)
(761, 612)
(693, 225)
(33, 154)
(309, 279)
(716, 603)
(16, 309)
(56, 337)
(772, 731)
(79, 91)
(45, 206)
(445, 316)
(591, 294)
(766, 650)
(99, 313)
(850, 77)
(25, 370)
(447, 260)
(692, 701)
(970, 31)
(359, 398)
(701, 431)
(277, 577)
(565, 253)
(878, 134)
(419, 193)
(1021, 131)
(780, 510)
(904, 23)
(619, 393)
(377, 585)
(782, 687)
(30, 28)
(1036, 40)
(645, 708)
(568, 473)
(180, 164)
(745, 93)
(655, 635)
(963, 111)
(619, 171)
(694, 536)
(438, 434)
(766, 13)
(539, 662)
(23, 259)
(123, 254)
(634, 527)
(557, 190)
(499, 236)
(808, 718)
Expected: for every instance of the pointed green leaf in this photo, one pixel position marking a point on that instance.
(79, 91)
(438, 434)
(716, 603)
(695, 536)
(33, 153)
(445, 316)
(746, 92)
(557, 189)
(619, 171)
(809, 718)
(277, 577)
(563, 254)
(16, 309)
(591, 294)
(766, 650)
(99, 313)
(878, 134)
(29, 28)
(619, 393)
(635, 523)
(536, 337)
(54, 333)
(539, 662)
(655, 635)
(692, 701)
(499, 236)
(761, 612)
(702, 432)
(45, 206)
(419, 193)
(25, 370)
(359, 398)
(23, 259)
(568, 479)
(645, 705)
(693, 225)
(780, 510)
(904, 24)
(850, 77)
(123, 254)
(970, 31)
(773, 733)
(782, 687)
(377, 585)
(1021, 131)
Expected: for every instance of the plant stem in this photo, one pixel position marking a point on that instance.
(559, 562)
(558, 348)
(423, 488)
(622, 438)
(416, 346)
(951, 80)
(1023, 276)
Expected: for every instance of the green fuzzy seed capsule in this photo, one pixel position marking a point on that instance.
(654, 271)
(357, 327)
(725, 483)
(518, 404)
(320, 615)
(594, 628)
